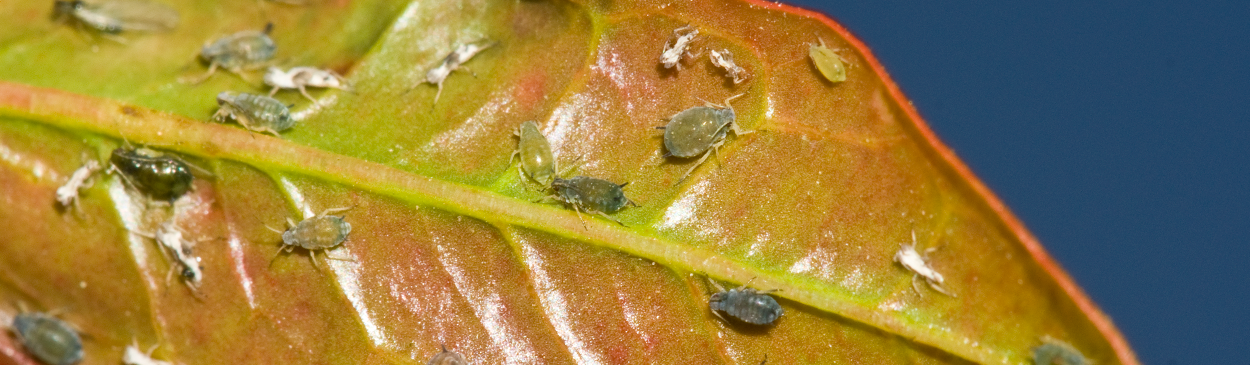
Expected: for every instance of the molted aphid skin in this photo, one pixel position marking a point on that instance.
(117, 16)
(238, 52)
(676, 49)
(303, 77)
(447, 358)
(170, 237)
(67, 194)
(725, 60)
(700, 131)
(50, 340)
(830, 64)
(452, 62)
(591, 195)
(745, 304)
(257, 113)
(161, 177)
(911, 260)
(133, 356)
(320, 232)
(535, 151)
(1055, 352)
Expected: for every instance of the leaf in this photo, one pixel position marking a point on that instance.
(448, 246)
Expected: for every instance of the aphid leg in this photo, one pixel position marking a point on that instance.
(696, 165)
(914, 286)
(212, 68)
(577, 207)
(274, 91)
(303, 90)
(602, 214)
(939, 288)
(335, 210)
(739, 131)
(715, 284)
(312, 256)
(285, 248)
(438, 93)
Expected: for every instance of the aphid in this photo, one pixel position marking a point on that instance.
(320, 232)
(726, 61)
(161, 177)
(447, 358)
(591, 195)
(51, 340)
(134, 356)
(676, 49)
(700, 130)
(67, 194)
(302, 77)
(1055, 352)
(452, 62)
(170, 238)
(257, 113)
(830, 64)
(237, 52)
(113, 17)
(745, 304)
(911, 260)
(535, 152)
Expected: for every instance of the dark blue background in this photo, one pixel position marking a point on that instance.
(1117, 130)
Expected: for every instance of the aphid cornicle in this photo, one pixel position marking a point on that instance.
(591, 195)
(113, 17)
(535, 152)
(51, 340)
(257, 113)
(238, 52)
(321, 232)
(1056, 352)
(745, 304)
(303, 77)
(161, 177)
(829, 63)
(447, 358)
(700, 131)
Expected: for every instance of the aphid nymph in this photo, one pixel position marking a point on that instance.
(677, 48)
(161, 177)
(51, 340)
(257, 113)
(246, 50)
(911, 260)
(1056, 352)
(112, 17)
(303, 77)
(447, 358)
(134, 356)
(535, 152)
(829, 63)
(700, 131)
(321, 232)
(591, 195)
(745, 304)
(725, 60)
(454, 61)
(67, 194)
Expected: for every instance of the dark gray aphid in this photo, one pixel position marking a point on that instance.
(257, 113)
(447, 358)
(161, 177)
(246, 50)
(116, 16)
(51, 340)
(700, 131)
(1055, 352)
(745, 304)
(591, 195)
(321, 232)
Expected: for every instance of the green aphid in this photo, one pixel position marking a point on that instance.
(830, 64)
(536, 160)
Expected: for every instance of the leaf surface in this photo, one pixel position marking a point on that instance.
(448, 246)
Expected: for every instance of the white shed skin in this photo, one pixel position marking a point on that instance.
(910, 259)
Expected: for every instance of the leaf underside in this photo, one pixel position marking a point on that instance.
(448, 246)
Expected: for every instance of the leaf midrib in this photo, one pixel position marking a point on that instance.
(176, 133)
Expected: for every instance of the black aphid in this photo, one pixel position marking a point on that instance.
(745, 304)
(161, 177)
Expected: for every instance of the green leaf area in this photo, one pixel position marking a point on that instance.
(449, 246)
